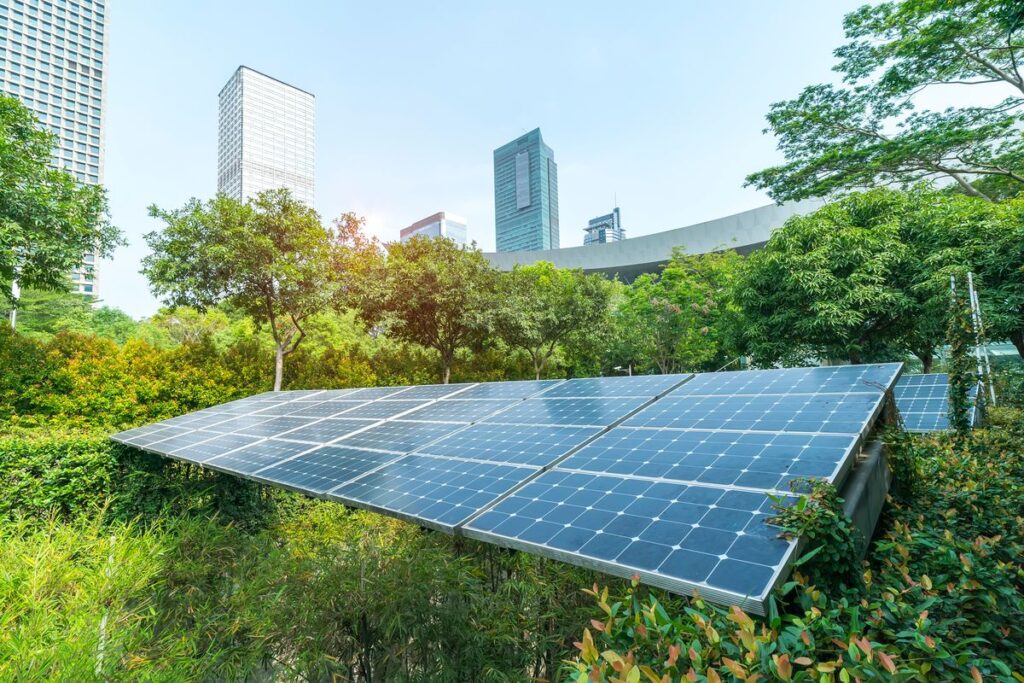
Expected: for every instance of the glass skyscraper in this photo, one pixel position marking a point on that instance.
(441, 224)
(267, 137)
(607, 228)
(53, 59)
(525, 195)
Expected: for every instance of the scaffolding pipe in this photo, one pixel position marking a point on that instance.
(979, 332)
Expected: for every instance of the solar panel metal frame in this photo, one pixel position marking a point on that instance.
(926, 422)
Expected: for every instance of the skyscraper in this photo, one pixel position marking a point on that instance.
(441, 224)
(525, 195)
(53, 59)
(266, 140)
(607, 228)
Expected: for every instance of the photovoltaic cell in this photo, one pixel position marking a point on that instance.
(433, 391)
(820, 380)
(257, 456)
(326, 430)
(399, 436)
(323, 469)
(324, 409)
(599, 412)
(374, 393)
(638, 385)
(383, 409)
(923, 402)
(437, 492)
(713, 540)
(513, 444)
(522, 389)
(459, 410)
(837, 413)
(219, 445)
(275, 426)
(765, 461)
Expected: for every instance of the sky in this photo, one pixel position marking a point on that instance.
(656, 106)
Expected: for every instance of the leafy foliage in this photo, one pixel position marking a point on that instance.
(869, 132)
(48, 220)
(959, 366)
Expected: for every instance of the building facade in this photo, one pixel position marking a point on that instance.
(441, 224)
(604, 229)
(267, 137)
(53, 59)
(525, 195)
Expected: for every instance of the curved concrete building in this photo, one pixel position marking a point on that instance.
(628, 258)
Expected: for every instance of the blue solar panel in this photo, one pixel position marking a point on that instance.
(765, 461)
(238, 422)
(436, 492)
(373, 393)
(383, 409)
(324, 409)
(508, 389)
(275, 426)
(323, 469)
(837, 413)
(702, 538)
(923, 402)
(176, 442)
(330, 429)
(513, 444)
(819, 380)
(599, 412)
(219, 445)
(433, 391)
(257, 456)
(459, 410)
(399, 436)
(639, 385)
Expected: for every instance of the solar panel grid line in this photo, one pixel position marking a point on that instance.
(685, 482)
(570, 453)
(418, 450)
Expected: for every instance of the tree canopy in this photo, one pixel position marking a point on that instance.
(431, 292)
(870, 131)
(48, 220)
(270, 257)
(541, 306)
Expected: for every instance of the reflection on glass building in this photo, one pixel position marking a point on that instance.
(525, 195)
(441, 224)
(53, 59)
(266, 141)
(607, 228)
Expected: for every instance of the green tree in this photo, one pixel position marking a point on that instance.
(827, 284)
(541, 307)
(43, 314)
(431, 292)
(48, 220)
(869, 131)
(270, 257)
(674, 321)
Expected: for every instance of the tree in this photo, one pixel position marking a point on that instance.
(541, 307)
(826, 285)
(270, 257)
(675, 320)
(869, 131)
(43, 314)
(431, 292)
(48, 220)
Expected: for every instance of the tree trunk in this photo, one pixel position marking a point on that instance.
(927, 359)
(446, 373)
(278, 366)
(538, 365)
(854, 358)
(1017, 338)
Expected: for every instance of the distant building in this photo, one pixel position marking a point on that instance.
(441, 224)
(525, 195)
(53, 59)
(603, 229)
(267, 137)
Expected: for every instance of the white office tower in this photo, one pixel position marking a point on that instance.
(53, 59)
(267, 137)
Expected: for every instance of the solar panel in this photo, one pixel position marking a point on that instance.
(512, 444)
(639, 385)
(923, 402)
(430, 491)
(598, 412)
(665, 476)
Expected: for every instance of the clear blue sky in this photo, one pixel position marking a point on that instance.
(659, 104)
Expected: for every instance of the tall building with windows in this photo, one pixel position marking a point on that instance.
(525, 195)
(603, 229)
(53, 59)
(441, 224)
(267, 137)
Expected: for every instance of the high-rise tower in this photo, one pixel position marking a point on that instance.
(525, 195)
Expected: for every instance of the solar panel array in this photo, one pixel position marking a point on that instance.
(666, 475)
(923, 402)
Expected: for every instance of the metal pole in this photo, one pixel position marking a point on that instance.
(980, 334)
(13, 315)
